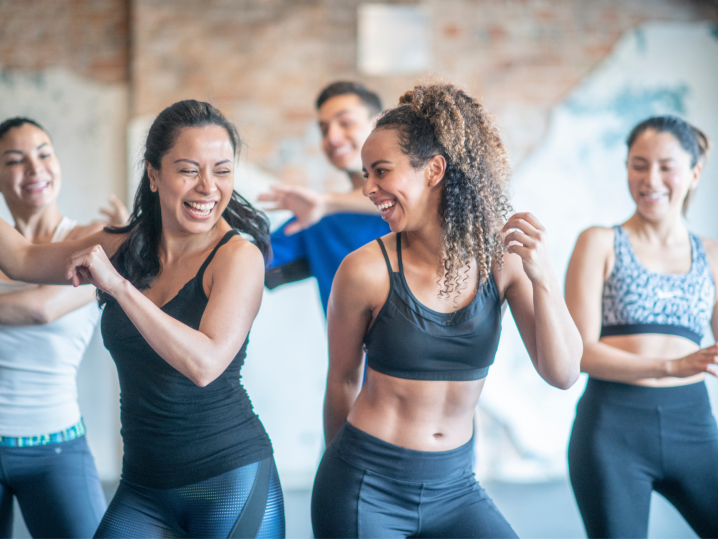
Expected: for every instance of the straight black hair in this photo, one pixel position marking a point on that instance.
(18, 121)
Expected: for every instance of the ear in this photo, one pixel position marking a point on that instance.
(435, 170)
(696, 173)
(153, 175)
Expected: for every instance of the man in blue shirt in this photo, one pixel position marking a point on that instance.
(328, 226)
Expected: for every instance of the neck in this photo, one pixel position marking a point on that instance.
(37, 225)
(176, 245)
(664, 232)
(426, 242)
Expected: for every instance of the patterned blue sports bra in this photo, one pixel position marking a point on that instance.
(636, 300)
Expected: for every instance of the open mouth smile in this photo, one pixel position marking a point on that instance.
(200, 209)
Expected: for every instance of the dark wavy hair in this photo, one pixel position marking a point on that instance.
(441, 119)
(137, 259)
(692, 140)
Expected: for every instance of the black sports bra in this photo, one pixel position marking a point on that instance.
(411, 341)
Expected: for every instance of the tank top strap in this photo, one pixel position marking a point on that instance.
(398, 253)
(63, 229)
(386, 256)
(225, 239)
(621, 246)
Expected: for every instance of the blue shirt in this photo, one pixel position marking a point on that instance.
(324, 245)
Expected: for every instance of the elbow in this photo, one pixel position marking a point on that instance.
(205, 372)
(39, 317)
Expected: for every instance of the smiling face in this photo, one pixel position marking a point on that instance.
(345, 123)
(660, 175)
(404, 195)
(29, 170)
(196, 179)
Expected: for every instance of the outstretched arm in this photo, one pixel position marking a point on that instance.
(45, 263)
(309, 206)
(348, 318)
(536, 302)
(235, 279)
(584, 287)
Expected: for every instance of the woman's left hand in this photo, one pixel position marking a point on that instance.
(92, 266)
(528, 240)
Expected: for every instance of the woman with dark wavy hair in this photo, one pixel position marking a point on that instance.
(424, 302)
(181, 289)
(643, 294)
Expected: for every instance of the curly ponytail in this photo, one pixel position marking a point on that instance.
(441, 119)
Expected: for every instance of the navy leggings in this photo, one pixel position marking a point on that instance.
(244, 502)
(366, 487)
(629, 440)
(56, 486)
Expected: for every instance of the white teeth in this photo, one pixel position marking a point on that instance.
(653, 196)
(36, 186)
(384, 206)
(201, 207)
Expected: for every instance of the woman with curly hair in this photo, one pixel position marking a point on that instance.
(181, 289)
(424, 302)
(643, 294)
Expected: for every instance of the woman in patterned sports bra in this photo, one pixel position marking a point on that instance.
(425, 304)
(44, 331)
(642, 295)
(180, 289)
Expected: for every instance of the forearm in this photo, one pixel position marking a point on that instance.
(558, 342)
(43, 304)
(337, 403)
(608, 363)
(191, 352)
(351, 202)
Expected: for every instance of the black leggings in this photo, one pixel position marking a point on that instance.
(244, 502)
(366, 487)
(629, 440)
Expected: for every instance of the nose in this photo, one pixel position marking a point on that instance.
(653, 178)
(32, 165)
(334, 134)
(206, 184)
(369, 187)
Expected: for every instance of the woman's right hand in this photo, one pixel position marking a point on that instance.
(705, 360)
(92, 266)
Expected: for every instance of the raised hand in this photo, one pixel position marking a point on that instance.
(705, 360)
(527, 238)
(306, 205)
(116, 214)
(92, 266)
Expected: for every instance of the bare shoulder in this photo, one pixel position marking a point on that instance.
(596, 237)
(506, 271)
(364, 274)
(238, 253)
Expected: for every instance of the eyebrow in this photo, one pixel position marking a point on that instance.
(337, 115)
(20, 152)
(379, 162)
(638, 157)
(195, 163)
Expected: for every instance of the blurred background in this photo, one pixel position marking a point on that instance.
(566, 79)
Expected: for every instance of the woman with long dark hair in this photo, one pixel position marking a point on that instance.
(424, 302)
(642, 295)
(180, 289)
(44, 332)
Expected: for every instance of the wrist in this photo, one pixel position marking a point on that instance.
(120, 290)
(666, 367)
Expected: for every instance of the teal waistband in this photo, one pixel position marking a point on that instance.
(75, 431)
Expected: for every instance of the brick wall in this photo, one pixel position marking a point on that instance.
(263, 61)
(90, 37)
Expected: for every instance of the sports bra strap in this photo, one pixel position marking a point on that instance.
(225, 239)
(386, 256)
(398, 253)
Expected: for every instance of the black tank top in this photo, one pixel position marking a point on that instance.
(409, 340)
(176, 433)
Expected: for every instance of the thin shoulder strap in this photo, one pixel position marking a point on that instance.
(398, 252)
(225, 239)
(386, 256)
